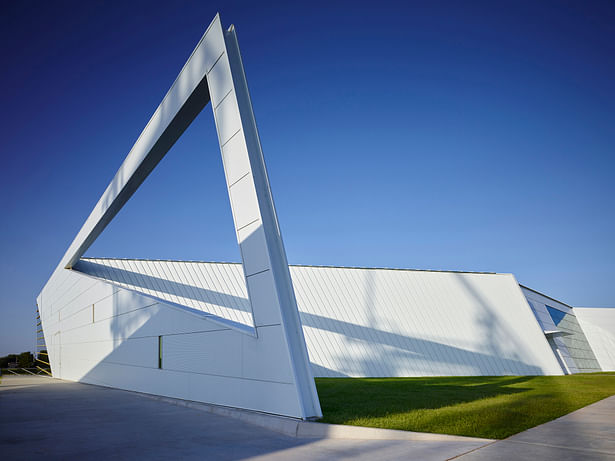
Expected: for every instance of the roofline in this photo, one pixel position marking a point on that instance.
(396, 269)
(305, 265)
(546, 296)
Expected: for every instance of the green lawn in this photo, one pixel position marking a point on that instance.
(482, 406)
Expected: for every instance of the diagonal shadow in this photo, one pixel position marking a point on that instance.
(163, 285)
(421, 348)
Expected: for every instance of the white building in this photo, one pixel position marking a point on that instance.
(239, 334)
(598, 324)
(260, 364)
(175, 328)
(383, 322)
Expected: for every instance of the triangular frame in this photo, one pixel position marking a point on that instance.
(214, 73)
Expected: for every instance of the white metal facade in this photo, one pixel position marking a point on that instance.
(372, 322)
(102, 334)
(599, 327)
(382, 322)
(105, 317)
(255, 357)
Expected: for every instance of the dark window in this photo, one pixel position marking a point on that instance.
(159, 351)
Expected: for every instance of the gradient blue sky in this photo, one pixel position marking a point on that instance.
(471, 136)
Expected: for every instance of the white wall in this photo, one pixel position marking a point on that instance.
(383, 322)
(102, 334)
(229, 361)
(599, 327)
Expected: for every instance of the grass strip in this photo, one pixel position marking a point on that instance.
(478, 406)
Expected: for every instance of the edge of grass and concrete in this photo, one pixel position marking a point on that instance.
(490, 407)
(310, 429)
(523, 398)
(586, 433)
(438, 446)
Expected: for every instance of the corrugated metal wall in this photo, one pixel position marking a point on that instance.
(378, 322)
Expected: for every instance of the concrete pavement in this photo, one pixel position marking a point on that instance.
(587, 434)
(44, 417)
(63, 420)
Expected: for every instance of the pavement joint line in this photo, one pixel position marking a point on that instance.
(472, 450)
(593, 450)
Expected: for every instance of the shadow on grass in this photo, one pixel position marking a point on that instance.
(483, 406)
(349, 398)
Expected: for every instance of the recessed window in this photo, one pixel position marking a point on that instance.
(160, 352)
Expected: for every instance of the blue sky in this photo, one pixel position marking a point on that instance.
(439, 135)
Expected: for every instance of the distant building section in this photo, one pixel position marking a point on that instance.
(599, 327)
(566, 337)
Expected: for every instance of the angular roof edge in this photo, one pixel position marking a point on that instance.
(307, 265)
(546, 296)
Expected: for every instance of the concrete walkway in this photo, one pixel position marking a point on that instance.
(587, 434)
(62, 420)
(52, 419)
